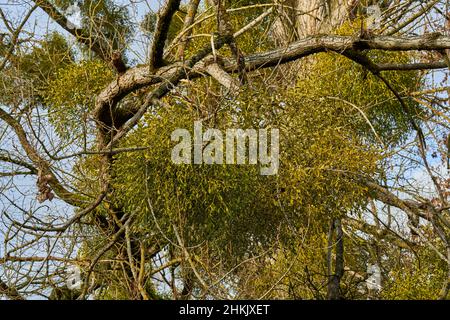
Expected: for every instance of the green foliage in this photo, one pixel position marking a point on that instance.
(45, 60)
(374, 110)
(32, 69)
(331, 122)
(70, 94)
(318, 150)
(233, 210)
(415, 276)
(224, 205)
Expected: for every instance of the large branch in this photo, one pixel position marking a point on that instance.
(164, 88)
(223, 77)
(412, 66)
(321, 43)
(160, 35)
(140, 77)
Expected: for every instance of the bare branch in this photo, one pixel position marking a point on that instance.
(184, 41)
(39, 162)
(10, 292)
(160, 35)
(83, 36)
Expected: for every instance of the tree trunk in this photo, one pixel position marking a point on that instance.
(300, 18)
(334, 283)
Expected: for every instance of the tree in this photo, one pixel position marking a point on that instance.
(88, 111)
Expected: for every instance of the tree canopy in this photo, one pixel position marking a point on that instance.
(93, 205)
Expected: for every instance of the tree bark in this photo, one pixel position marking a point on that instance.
(301, 18)
(334, 283)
